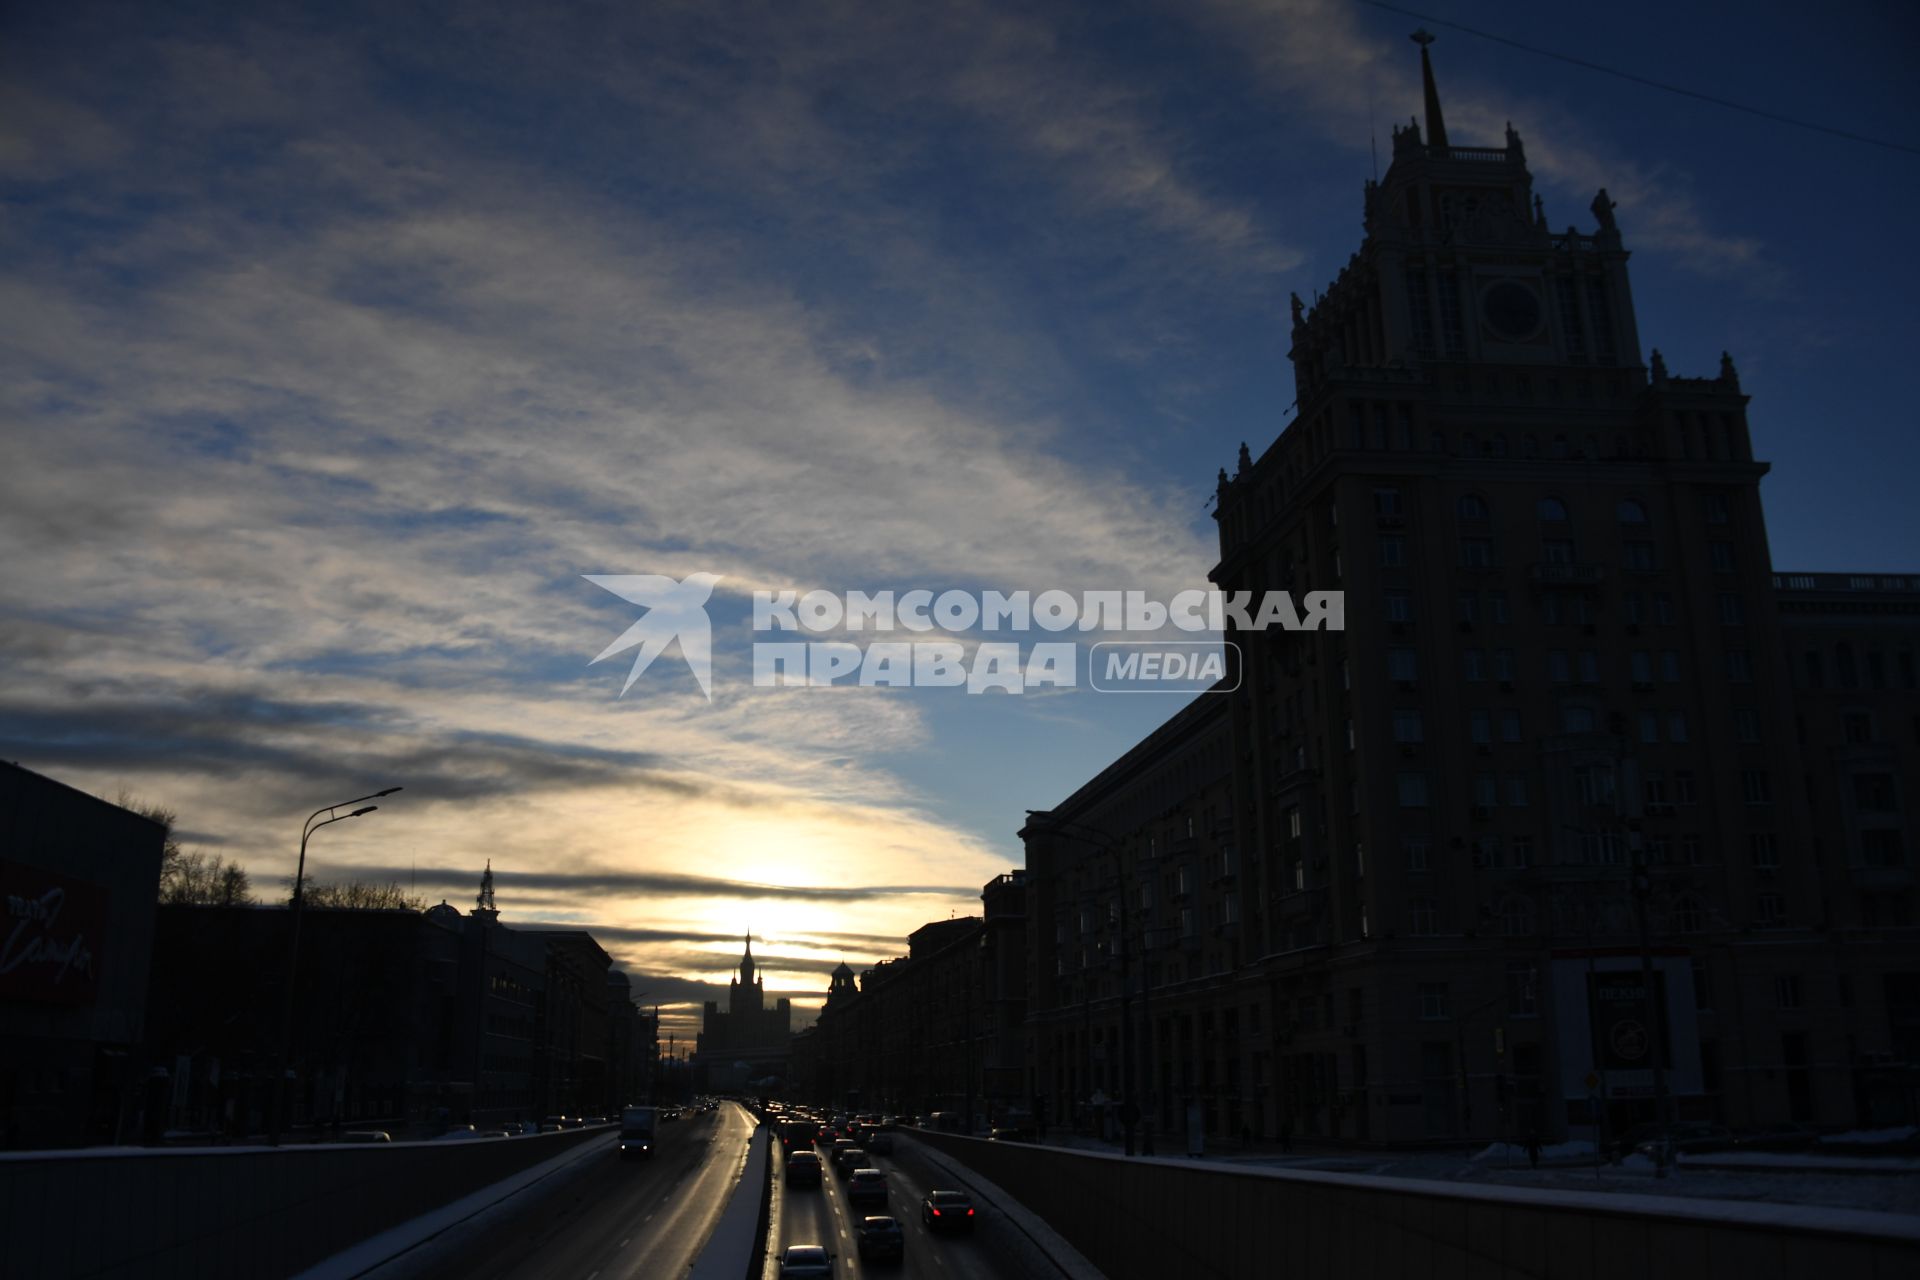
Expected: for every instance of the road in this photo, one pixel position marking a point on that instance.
(804, 1215)
(637, 1218)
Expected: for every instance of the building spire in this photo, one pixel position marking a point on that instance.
(1436, 123)
(483, 904)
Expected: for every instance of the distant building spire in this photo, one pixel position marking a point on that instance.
(1436, 123)
(483, 905)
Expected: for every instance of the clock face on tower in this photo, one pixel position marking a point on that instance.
(1511, 310)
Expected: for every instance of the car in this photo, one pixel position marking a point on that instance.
(458, 1133)
(496, 1133)
(803, 1169)
(846, 1161)
(805, 1260)
(879, 1239)
(880, 1141)
(947, 1211)
(554, 1124)
(835, 1147)
(867, 1187)
(366, 1135)
(1010, 1133)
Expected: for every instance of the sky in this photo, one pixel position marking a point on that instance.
(339, 341)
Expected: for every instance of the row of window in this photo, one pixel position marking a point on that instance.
(1636, 556)
(1847, 669)
(1473, 509)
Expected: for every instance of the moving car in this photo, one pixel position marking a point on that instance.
(366, 1135)
(846, 1161)
(947, 1211)
(805, 1260)
(803, 1169)
(868, 1187)
(879, 1239)
(637, 1131)
(458, 1133)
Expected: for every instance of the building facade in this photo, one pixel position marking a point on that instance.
(1531, 844)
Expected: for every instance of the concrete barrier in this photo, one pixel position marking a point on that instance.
(238, 1212)
(1163, 1217)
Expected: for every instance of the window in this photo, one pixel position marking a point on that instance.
(1720, 555)
(1550, 608)
(1486, 790)
(1670, 666)
(1683, 788)
(1386, 502)
(1649, 726)
(1739, 668)
(1293, 823)
(1746, 724)
(1509, 726)
(1764, 850)
(1633, 608)
(1487, 853)
(1662, 609)
(1688, 917)
(1497, 614)
(1420, 309)
(1503, 664)
(1639, 557)
(1654, 787)
(1516, 916)
(1415, 850)
(1407, 726)
(1399, 606)
(1552, 511)
(1474, 662)
(1757, 786)
(1677, 726)
(1516, 791)
(1480, 727)
(1472, 509)
(1393, 551)
(1731, 611)
(1880, 847)
(1402, 665)
(1557, 550)
(1433, 1001)
(1716, 508)
(1640, 666)
(1413, 790)
(1630, 512)
(1770, 910)
(1421, 918)
(1476, 553)
(1873, 793)
(1466, 607)
(1816, 670)
(1557, 669)
(1576, 720)
(1589, 667)
(1522, 852)
(1786, 991)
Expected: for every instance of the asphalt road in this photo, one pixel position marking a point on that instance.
(644, 1219)
(805, 1215)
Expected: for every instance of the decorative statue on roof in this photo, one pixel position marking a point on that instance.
(1299, 310)
(1603, 210)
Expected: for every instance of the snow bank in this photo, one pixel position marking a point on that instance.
(1870, 1137)
(1503, 1151)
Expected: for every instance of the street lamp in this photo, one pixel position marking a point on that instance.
(313, 823)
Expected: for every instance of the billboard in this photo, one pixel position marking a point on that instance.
(52, 934)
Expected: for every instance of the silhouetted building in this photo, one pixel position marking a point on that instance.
(78, 881)
(1532, 838)
(747, 1041)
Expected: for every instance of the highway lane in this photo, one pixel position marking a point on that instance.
(802, 1215)
(634, 1218)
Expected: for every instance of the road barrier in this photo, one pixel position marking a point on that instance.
(1171, 1217)
(212, 1212)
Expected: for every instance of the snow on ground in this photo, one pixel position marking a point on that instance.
(1517, 1152)
(1872, 1137)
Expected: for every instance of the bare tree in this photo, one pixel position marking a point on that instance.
(358, 895)
(187, 876)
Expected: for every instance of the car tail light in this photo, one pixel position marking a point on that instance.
(969, 1213)
(936, 1213)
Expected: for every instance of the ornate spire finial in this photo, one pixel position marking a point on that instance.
(485, 901)
(1246, 459)
(1659, 365)
(1436, 123)
(1603, 210)
(1728, 374)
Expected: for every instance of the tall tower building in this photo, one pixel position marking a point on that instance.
(1526, 843)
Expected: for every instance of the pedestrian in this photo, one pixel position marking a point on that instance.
(1533, 1148)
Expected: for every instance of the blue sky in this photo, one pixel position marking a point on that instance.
(340, 340)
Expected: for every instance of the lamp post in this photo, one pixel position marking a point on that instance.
(313, 823)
